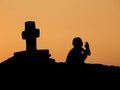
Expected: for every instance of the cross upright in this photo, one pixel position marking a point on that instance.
(30, 34)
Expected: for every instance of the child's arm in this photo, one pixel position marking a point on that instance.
(88, 52)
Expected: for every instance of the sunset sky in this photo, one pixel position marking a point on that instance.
(95, 21)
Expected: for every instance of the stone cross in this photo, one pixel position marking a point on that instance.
(30, 34)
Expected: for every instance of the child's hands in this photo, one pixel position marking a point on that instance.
(86, 45)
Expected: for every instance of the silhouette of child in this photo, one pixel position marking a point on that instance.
(78, 54)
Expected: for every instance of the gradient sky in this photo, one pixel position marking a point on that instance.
(95, 21)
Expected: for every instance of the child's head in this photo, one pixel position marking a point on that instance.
(77, 42)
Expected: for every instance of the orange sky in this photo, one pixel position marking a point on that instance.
(95, 21)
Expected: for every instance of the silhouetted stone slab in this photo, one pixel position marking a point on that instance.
(38, 53)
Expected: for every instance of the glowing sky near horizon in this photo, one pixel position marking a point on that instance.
(95, 21)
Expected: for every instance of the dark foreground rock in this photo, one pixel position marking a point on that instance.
(62, 74)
